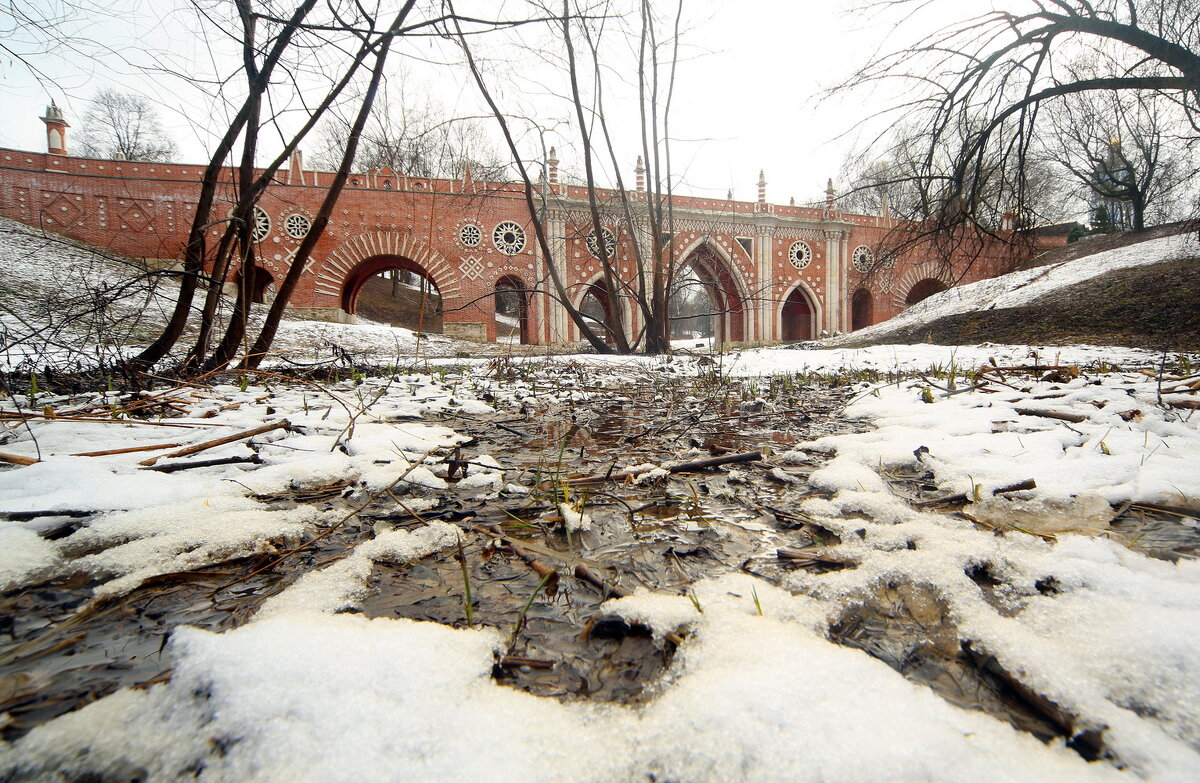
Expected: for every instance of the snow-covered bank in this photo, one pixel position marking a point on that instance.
(154, 522)
(63, 304)
(339, 698)
(1025, 287)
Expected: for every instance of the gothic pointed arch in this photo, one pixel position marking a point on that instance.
(597, 289)
(726, 282)
(800, 314)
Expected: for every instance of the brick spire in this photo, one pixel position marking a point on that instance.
(56, 130)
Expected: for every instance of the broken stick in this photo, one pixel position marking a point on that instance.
(961, 497)
(281, 424)
(17, 459)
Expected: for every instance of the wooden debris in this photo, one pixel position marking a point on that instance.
(25, 516)
(542, 570)
(813, 556)
(17, 459)
(129, 450)
(583, 573)
(679, 467)
(173, 467)
(281, 424)
(514, 661)
(961, 497)
(1074, 418)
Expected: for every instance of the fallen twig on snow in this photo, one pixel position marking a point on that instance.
(209, 444)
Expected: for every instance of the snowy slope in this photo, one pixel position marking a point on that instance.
(50, 288)
(1026, 286)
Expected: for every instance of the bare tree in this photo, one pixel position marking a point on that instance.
(979, 90)
(269, 39)
(1122, 153)
(631, 233)
(414, 136)
(123, 126)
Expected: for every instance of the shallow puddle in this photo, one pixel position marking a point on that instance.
(662, 536)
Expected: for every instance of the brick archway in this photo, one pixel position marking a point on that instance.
(717, 272)
(861, 309)
(799, 316)
(370, 267)
(335, 271)
(517, 289)
(928, 271)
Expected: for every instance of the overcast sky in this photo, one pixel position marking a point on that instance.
(747, 94)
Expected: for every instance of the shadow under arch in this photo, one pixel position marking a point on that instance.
(595, 302)
(262, 284)
(923, 289)
(717, 273)
(420, 307)
(511, 298)
(799, 315)
(862, 309)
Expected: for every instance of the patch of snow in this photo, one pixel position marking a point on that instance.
(1027, 286)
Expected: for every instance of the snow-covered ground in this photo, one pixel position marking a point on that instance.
(50, 286)
(1025, 287)
(305, 691)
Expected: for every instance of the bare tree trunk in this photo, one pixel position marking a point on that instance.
(614, 312)
(539, 228)
(265, 337)
(194, 251)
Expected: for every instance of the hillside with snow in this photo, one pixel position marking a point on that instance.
(66, 305)
(1142, 294)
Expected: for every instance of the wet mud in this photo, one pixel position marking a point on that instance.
(521, 558)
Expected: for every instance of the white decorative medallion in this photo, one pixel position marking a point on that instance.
(800, 254)
(862, 258)
(509, 238)
(610, 243)
(297, 226)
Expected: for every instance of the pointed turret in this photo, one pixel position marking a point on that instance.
(56, 130)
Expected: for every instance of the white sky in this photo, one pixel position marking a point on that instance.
(746, 96)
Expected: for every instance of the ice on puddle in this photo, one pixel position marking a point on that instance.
(574, 518)
(1087, 513)
(661, 613)
(651, 475)
(492, 482)
(180, 537)
(340, 585)
(483, 463)
(90, 484)
(794, 457)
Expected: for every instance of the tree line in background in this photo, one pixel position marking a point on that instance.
(1029, 111)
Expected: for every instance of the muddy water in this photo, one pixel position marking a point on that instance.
(54, 660)
(663, 536)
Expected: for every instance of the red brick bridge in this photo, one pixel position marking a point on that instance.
(775, 272)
